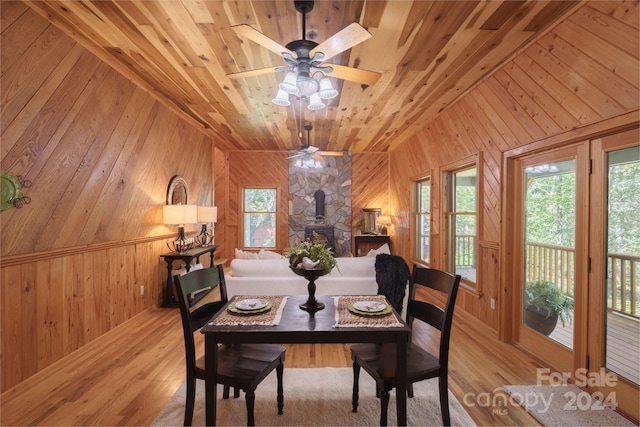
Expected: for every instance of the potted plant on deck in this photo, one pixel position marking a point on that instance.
(544, 304)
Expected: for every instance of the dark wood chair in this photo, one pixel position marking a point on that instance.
(379, 360)
(239, 366)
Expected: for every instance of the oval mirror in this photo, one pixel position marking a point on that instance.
(178, 191)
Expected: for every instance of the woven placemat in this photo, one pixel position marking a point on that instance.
(347, 319)
(266, 318)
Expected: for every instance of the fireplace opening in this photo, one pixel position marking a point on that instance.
(325, 232)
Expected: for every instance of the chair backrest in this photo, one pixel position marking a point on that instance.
(440, 318)
(191, 287)
(392, 276)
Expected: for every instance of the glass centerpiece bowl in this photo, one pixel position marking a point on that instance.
(311, 259)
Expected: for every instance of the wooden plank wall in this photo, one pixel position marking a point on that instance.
(582, 75)
(237, 169)
(100, 153)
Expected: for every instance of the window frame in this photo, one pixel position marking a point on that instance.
(243, 212)
(418, 215)
(448, 229)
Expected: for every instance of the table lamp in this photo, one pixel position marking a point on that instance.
(382, 222)
(207, 214)
(180, 215)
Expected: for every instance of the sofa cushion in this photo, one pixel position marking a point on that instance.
(261, 268)
(240, 254)
(384, 249)
(347, 267)
(354, 267)
(263, 254)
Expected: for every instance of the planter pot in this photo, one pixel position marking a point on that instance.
(312, 305)
(540, 320)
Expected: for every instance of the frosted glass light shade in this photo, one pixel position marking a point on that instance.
(307, 86)
(326, 89)
(207, 214)
(315, 103)
(180, 214)
(289, 83)
(281, 99)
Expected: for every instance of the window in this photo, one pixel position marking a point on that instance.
(259, 217)
(423, 219)
(462, 224)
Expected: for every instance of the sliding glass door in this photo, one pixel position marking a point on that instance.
(576, 256)
(550, 193)
(614, 303)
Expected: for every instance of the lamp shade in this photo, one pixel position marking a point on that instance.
(180, 214)
(383, 220)
(207, 214)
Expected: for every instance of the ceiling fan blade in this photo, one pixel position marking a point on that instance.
(341, 41)
(331, 153)
(294, 156)
(253, 73)
(354, 74)
(255, 35)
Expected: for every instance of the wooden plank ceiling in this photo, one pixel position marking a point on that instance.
(428, 52)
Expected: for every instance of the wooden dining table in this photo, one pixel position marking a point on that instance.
(289, 324)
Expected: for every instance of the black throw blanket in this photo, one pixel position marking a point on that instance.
(392, 275)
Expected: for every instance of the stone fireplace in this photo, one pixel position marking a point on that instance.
(320, 200)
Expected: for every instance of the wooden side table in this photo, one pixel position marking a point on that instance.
(361, 239)
(169, 298)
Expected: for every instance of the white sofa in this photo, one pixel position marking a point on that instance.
(352, 276)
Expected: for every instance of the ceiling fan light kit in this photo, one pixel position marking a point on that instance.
(305, 60)
(305, 87)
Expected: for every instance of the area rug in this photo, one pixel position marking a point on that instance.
(317, 397)
(565, 405)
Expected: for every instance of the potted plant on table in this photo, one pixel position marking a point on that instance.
(310, 255)
(311, 259)
(544, 304)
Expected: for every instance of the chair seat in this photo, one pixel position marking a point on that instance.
(244, 365)
(379, 360)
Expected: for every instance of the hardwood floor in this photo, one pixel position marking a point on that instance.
(128, 375)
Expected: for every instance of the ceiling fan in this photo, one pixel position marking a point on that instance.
(309, 151)
(306, 56)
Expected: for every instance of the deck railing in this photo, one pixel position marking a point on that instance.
(465, 251)
(557, 264)
(622, 284)
(551, 263)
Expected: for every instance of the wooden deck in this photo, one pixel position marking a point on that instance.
(623, 344)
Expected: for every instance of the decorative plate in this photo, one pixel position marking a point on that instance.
(232, 308)
(369, 306)
(10, 190)
(251, 304)
(384, 312)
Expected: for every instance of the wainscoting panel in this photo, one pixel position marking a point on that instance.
(53, 303)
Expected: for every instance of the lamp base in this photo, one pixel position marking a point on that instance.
(181, 244)
(205, 237)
